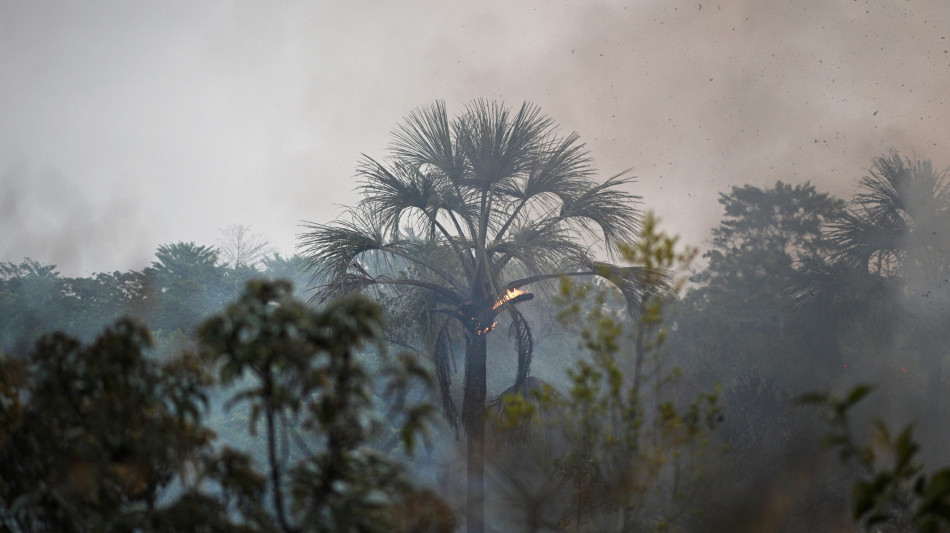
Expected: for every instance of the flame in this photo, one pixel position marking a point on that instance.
(509, 294)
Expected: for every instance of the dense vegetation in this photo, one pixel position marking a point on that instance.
(195, 395)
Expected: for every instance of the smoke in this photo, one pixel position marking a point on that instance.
(236, 112)
(48, 217)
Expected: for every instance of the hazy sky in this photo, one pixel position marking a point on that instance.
(125, 125)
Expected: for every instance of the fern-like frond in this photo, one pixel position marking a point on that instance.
(427, 138)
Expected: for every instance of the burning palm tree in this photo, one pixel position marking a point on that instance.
(464, 216)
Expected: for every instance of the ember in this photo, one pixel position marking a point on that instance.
(486, 329)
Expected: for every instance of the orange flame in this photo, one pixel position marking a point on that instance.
(509, 294)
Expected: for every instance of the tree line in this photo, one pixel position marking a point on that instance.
(185, 283)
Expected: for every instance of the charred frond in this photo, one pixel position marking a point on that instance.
(520, 332)
(445, 368)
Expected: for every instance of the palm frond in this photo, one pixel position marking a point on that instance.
(607, 208)
(561, 168)
(426, 204)
(901, 200)
(332, 250)
(497, 146)
(901, 189)
(637, 284)
(538, 249)
(427, 138)
(391, 192)
(864, 241)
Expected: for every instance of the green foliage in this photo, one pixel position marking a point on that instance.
(35, 299)
(624, 445)
(185, 284)
(93, 437)
(893, 491)
(100, 437)
(29, 294)
(301, 366)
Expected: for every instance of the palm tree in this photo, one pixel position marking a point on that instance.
(893, 239)
(464, 216)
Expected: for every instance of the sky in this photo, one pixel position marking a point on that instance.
(126, 125)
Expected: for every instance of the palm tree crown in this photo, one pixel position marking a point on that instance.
(896, 224)
(466, 210)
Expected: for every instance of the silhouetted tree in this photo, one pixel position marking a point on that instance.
(185, 284)
(741, 310)
(92, 437)
(242, 253)
(101, 438)
(300, 364)
(466, 214)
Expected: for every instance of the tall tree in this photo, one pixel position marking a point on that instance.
(299, 367)
(240, 247)
(464, 215)
(243, 253)
(741, 309)
(186, 284)
(31, 303)
(291, 268)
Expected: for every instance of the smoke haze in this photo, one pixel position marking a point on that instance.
(130, 125)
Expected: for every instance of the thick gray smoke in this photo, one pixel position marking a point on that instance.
(207, 115)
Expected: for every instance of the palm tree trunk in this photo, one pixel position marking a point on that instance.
(473, 418)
